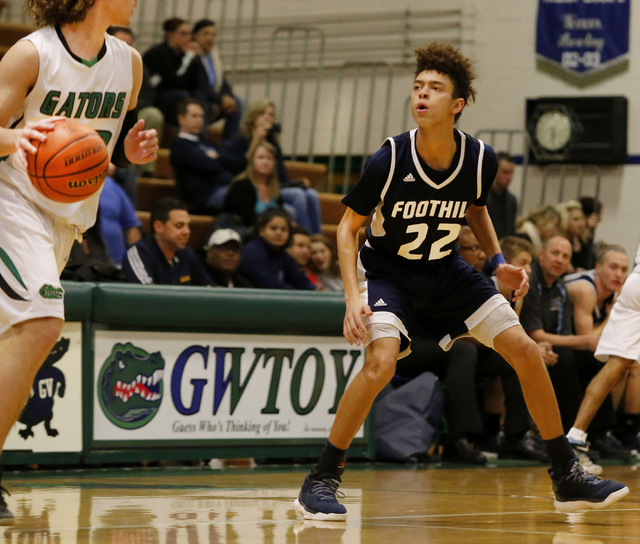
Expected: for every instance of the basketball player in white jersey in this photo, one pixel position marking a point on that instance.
(619, 348)
(67, 68)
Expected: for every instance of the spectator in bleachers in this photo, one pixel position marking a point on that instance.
(593, 293)
(502, 204)
(470, 249)
(540, 225)
(163, 257)
(259, 125)
(214, 88)
(324, 263)
(574, 227)
(265, 261)
(257, 188)
(546, 317)
(592, 209)
(119, 224)
(200, 168)
(153, 117)
(300, 250)
(223, 258)
(172, 71)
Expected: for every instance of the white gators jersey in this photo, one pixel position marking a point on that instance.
(96, 95)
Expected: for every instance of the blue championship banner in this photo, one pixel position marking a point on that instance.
(583, 38)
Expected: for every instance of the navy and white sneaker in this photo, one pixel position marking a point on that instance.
(6, 517)
(317, 499)
(577, 490)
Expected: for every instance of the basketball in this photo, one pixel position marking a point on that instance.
(71, 164)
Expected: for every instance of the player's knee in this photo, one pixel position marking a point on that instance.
(526, 355)
(379, 371)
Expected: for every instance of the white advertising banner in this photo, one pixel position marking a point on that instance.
(52, 419)
(187, 386)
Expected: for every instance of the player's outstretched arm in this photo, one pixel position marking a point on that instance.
(348, 243)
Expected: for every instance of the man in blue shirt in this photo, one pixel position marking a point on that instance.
(164, 258)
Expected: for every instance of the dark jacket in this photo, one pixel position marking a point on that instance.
(197, 175)
(201, 79)
(145, 263)
(546, 308)
(272, 268)
(237, 279)
(164, 62)
(241, 200)
(503, 210)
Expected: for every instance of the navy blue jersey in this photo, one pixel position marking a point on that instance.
(419, 211)
(589, 276)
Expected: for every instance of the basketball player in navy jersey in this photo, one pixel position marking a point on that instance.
(422, 187)
(68, 67)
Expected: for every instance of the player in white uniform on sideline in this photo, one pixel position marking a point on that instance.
(67, 68)
(619, 348)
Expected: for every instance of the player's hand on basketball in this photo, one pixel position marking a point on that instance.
(354, 329)
(514, 277)
(141, 146)
(33, 131)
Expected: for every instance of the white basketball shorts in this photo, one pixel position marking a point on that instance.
(621, 334)
(34, 248)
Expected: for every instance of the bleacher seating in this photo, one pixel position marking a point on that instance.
(152, 189)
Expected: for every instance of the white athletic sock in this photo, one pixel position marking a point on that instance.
(577, 435)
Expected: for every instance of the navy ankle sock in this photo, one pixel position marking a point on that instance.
(560, 453)
(331, 461)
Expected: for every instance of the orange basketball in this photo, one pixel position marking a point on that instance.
(71, 164)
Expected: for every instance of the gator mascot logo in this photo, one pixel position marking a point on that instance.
(48, 381)
(130, 386)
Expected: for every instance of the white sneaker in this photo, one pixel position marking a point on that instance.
(587, 463)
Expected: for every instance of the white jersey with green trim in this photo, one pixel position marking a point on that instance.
(95, 93)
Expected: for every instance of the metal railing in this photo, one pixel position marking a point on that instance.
(357, 73)
(514, 142)
(565, 177)
(291, 50)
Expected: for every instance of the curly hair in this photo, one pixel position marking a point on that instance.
(57, 12)
(447, 60)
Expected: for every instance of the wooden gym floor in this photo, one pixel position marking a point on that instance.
(386, 504)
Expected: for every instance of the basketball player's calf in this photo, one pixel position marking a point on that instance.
(574, 488)
(30, 344)
(317, 499)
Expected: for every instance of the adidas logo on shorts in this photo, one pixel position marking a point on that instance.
(409, 177)
(380, 303)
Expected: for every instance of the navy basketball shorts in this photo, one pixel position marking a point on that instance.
(449, 300)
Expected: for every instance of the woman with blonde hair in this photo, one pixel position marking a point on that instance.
(257, 188)
(574, 226)
(258, 126)
(540, 225)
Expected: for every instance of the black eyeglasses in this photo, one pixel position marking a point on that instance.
(475, 249)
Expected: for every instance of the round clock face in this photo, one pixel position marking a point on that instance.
(553, 130)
